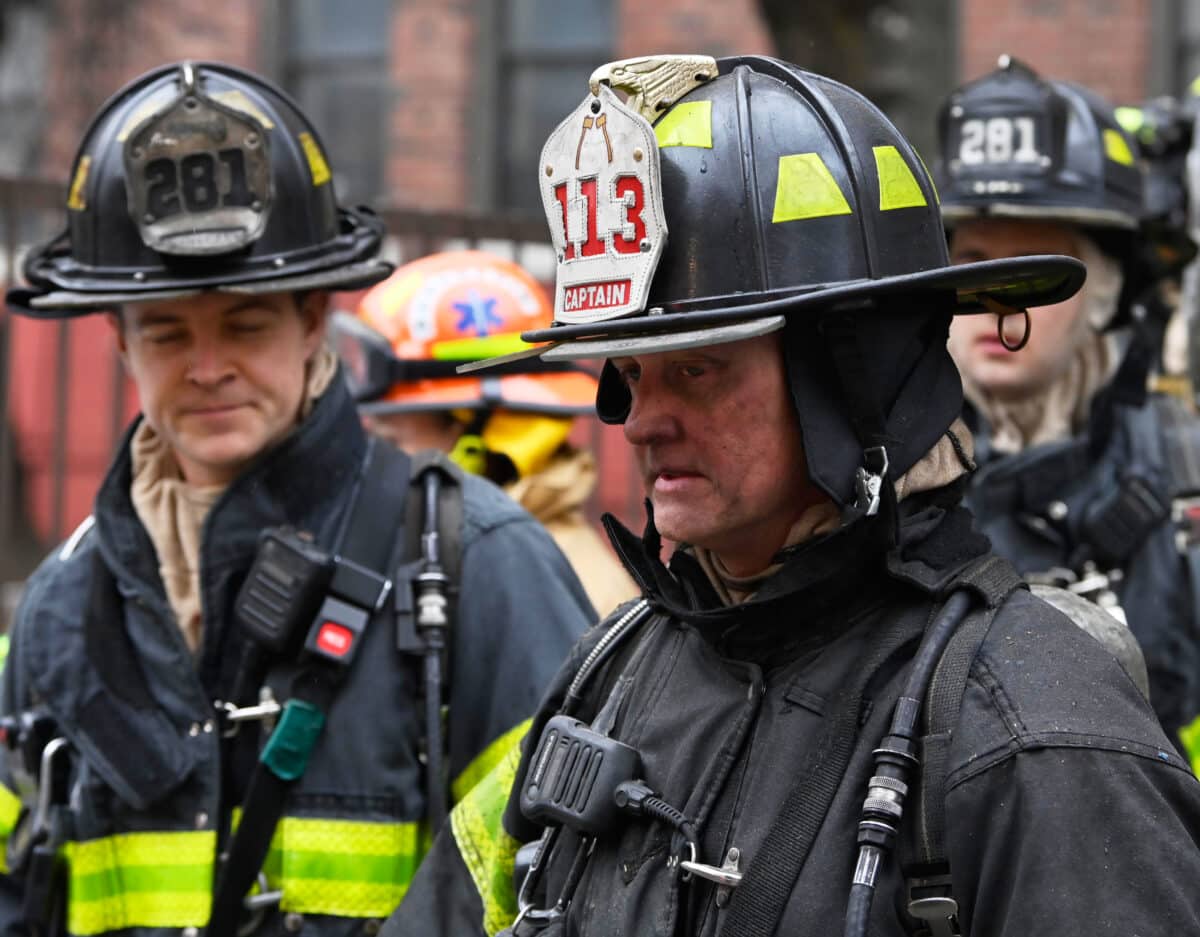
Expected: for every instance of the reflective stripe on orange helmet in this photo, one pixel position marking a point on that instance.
(466, 306)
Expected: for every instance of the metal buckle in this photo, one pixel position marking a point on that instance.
(1096, 586)
(232, 716)
(41, 817)
(868, 483)
(939, 914)
(727, 875)
(936, 907)
(257, 905)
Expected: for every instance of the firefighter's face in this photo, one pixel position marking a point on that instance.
(718, 446)
(221, 377)
(1057, 331)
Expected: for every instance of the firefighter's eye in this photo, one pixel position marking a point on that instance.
(164, 336)
(692, 370)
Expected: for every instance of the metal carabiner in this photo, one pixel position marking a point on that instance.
(41, 816)
(257, 905)
(726, 876)
(232, 715)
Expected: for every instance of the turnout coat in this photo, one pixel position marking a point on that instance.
(1067, 810)
(154, 784)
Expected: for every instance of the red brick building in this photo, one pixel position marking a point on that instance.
(442, 105)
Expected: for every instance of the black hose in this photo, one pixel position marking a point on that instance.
(894, 759)
(432, 622)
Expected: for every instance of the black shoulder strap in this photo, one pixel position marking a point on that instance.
(757, 904)
(450, 533)
(923, 851)
(367, 537)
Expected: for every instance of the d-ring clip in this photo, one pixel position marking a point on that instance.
(1002, 312)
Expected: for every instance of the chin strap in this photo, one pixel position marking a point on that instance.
(873, 490)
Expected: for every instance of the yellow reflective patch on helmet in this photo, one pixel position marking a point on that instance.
(316, 159)
(1115, 147)
(75, 199)
(806, 189)
(688, 124)
(898, 187)
(1132, 119)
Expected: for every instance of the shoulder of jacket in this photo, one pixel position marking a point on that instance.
(1041, 681)
(73, 554)
(55, 592)
(486, 507)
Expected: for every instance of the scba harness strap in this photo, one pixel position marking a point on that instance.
(395, 497)
(924, 861)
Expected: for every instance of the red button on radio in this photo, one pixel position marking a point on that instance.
(334, 639)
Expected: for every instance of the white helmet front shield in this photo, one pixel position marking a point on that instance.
(602, 194)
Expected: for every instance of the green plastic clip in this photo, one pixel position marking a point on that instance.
(287, 750)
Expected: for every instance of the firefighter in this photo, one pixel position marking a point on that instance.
(240, 695)
(1085, 480)
(440, 311)
(834, 710)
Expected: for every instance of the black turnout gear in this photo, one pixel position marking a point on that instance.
(752, 727)
(1054, 755)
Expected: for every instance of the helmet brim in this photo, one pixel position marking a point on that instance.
(66, 304)
(954, 213)
(1017, 282)
(674, 341)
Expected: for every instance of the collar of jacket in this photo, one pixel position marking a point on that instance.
(824, 585)
(301, 482)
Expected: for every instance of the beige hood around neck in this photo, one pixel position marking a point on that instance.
(949, 459)
(173, 512)
(1061, 409)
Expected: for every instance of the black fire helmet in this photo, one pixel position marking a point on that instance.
(198, 176)
(793, 203)
(1016, 145)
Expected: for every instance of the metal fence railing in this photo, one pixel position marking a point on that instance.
(65, 400)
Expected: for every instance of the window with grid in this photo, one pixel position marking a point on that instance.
(335, 63)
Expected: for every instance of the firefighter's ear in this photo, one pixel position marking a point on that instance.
(116, 322)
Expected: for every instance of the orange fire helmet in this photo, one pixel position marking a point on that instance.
(446, 309)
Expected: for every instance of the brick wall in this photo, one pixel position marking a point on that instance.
(433, 72)
(96, 46)
(726, 28)
(1103, 44)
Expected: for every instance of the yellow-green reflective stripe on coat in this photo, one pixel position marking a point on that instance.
(485, 846)
(155, 879)
(10, 812)
(346, 868)
(1190, 736)
(338, 867)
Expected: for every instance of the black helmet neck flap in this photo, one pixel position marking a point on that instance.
(194, 177)
(790, 200)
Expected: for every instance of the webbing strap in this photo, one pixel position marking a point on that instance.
(368, 537)
(924, 857)
(943, 702)
(758, 902)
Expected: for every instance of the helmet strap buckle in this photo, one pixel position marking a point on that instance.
(868, 480)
